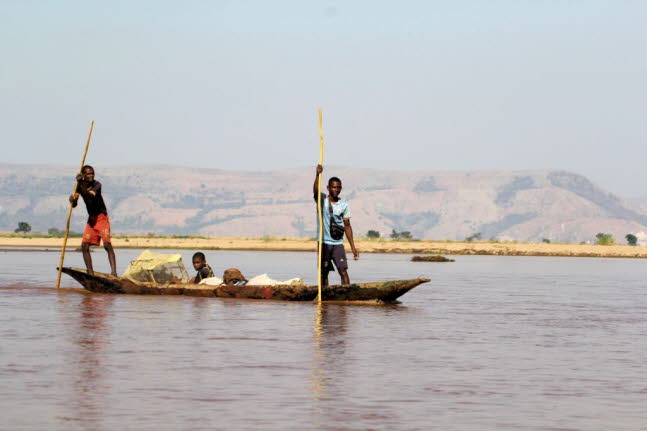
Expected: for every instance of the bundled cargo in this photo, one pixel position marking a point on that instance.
(157, 268)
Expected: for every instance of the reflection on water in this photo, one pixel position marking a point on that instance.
(88, 330)
(328, 335)
(318, 378)
(491, 343)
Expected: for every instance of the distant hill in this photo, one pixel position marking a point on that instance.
(507, 205)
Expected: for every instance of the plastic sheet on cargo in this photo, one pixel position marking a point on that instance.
(157, 268)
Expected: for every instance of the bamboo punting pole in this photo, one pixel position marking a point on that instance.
(69, 210)
(319, 207)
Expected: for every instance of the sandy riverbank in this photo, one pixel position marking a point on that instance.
(364, 246)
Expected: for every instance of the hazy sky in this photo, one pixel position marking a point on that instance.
(444, 85)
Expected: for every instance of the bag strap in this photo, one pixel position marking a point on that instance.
(332, 215)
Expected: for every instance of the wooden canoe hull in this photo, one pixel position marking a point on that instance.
(384, 291)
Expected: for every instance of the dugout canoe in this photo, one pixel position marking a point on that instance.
(384, 291)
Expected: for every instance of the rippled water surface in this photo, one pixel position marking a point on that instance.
(517, 343)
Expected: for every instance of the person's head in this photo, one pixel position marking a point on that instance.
(334, 187)
(199, 261)
(88, 173)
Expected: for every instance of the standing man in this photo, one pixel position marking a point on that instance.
(333, 242)
(98, 226)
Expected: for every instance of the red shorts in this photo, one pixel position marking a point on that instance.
(97, 229)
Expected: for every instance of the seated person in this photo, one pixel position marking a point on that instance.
(233, 277)
(200, 265)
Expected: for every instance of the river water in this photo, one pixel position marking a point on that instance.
(492, 343)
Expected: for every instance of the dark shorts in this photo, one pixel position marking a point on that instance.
(333, 254)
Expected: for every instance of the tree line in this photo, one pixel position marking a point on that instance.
(394, 234)
(24, 227)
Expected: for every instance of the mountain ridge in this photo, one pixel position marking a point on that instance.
(523, 205)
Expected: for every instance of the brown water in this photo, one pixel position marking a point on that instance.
(515, 343)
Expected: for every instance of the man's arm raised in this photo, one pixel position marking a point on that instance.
(315, 186)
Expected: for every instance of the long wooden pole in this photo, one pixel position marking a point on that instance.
(69, 210)
(319, 207)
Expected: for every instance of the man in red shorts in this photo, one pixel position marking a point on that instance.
(98, 226)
